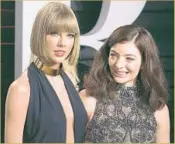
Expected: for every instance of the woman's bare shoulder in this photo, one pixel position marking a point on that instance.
(84, 96)
(19, 90)
(163, 125)
(162, 114)
(16, 108)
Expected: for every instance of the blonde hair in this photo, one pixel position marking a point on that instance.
(55, 16)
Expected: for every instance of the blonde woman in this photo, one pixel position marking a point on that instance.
(43, 105)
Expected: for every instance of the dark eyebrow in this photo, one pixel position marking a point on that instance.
(124, 55)
(130, 55)
(113, 51)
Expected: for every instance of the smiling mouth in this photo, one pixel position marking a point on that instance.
(120, 74)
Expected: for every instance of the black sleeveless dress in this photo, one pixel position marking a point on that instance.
(124, 119)
(46, 121)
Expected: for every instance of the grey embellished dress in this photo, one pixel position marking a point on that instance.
(124, 119)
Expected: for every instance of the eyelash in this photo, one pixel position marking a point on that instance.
(70, 35)
(127, 58)
(53, 33)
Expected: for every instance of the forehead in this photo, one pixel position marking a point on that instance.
(125, 48)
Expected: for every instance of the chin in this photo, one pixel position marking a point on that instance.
(60, 60)
(120, 80)
(125, 82)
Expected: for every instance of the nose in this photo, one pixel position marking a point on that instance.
(119, 63)
(61, 41)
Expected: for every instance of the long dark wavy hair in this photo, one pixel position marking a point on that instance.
(153, 84)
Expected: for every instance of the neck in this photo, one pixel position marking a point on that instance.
(49, 70)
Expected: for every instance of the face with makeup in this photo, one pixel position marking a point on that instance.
(124, 63)
(59, 45)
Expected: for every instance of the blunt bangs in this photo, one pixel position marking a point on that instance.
(63, 23)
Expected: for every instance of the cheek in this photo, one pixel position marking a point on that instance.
(136, 65)
(135, 68)
(110, 63)
(50, 43)
(71, 43)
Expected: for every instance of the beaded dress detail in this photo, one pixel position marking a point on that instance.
(122, 119)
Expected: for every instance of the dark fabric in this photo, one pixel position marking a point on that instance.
(46, 121)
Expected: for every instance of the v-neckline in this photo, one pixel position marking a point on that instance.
(44, 93)
(59, 102)
(56, 95)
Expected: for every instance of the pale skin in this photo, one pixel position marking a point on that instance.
(16, 109)
(163, 125)
(125, 63)
(19, 94)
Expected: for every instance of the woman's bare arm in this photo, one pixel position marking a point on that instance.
(16, 109)
(163, 125)
(89, 103)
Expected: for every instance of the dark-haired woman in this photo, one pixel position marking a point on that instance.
(126, 91)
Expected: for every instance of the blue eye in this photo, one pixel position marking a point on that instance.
(54, 33)
(71, 35)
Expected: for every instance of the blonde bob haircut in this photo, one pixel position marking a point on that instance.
(55, 17)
